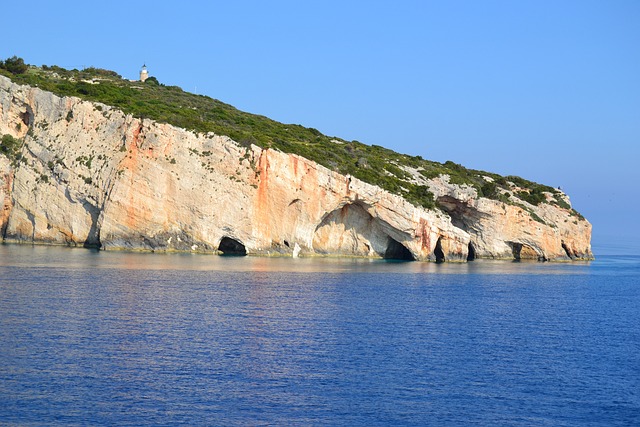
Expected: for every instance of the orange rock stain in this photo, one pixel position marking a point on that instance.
(131, 165)
(423, 234)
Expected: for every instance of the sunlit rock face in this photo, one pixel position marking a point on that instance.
(91, 175)
(515, 231)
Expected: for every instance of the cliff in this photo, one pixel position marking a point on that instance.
(86, 173)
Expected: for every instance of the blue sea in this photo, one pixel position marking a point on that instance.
(114, 338)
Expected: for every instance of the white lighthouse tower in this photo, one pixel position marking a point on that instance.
(144, 74)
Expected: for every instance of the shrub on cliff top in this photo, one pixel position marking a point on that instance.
(101, 72)
(14, 65)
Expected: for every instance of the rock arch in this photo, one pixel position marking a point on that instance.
(352, 230)
(229, 246)
(521, 251)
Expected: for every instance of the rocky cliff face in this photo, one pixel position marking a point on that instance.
(87, 174)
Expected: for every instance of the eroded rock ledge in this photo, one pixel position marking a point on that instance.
(87, 174)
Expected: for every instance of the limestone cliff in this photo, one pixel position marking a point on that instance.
(88, 174)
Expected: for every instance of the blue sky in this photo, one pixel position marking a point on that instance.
(548, 90)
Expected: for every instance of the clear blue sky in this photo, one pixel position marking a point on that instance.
(548, 90)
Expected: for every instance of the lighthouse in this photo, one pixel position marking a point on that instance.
(144, 74)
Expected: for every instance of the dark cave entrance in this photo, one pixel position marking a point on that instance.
(397, 251)
(26, 118)
(229, 246)
(567, 250)
(516, 249)
(438, 252)
(471, 255)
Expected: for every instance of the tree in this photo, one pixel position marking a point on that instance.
(15, 65)
(152, 81)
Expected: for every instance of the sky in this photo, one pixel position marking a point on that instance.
(546, 90)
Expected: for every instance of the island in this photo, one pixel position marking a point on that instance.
(88, 158)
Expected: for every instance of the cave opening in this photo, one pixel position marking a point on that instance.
(521, 252)
(567, 250)
(516, 249)
(26, 118)
(438, 252)
(471, 255)
(229, 246)
(397, 251)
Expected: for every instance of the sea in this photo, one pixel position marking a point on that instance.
(94, 338)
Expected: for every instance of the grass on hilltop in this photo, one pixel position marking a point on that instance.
(202, 114)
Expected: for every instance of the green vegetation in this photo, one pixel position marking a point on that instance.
(202, 114)
(152, 81)
(10, 148)
(9, 145)
(85, 160)
(14, 65)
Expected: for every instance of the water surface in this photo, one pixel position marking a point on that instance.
(108, 338)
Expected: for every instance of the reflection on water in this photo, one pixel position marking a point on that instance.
(50, 257)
